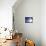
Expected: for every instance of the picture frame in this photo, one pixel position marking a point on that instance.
(28, 19)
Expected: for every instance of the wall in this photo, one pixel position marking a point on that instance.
(30, 8)
(43, 22)
(6, 18)
(6, 13)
